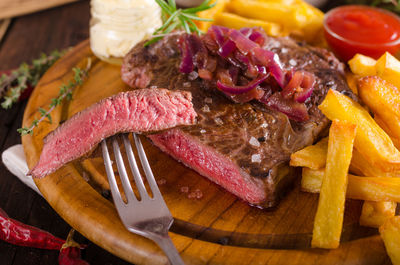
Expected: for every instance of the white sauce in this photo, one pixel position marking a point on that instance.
(118, 25)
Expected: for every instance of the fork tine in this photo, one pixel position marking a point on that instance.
(146, 168)
(134, 168)
(122, 172)
(110, 175)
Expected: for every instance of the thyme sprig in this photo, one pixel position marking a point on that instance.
(65, 92)
(14, 84)
(175, 18)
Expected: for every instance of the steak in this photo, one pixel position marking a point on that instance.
(144, 110)
(245, 147)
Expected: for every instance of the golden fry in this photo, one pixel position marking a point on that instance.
(313, 156)
(371, 140)
(211, 13)
(390, 233)
(388, 68)
(361, 166)
(359, 188)
(329, 218)
(312, 28)
(352, 81)
(268, 11)
(311, 179)
(374, 214)
(383, 99)
(362, 65)
(382, 124)
(235, 21)
(283, 2)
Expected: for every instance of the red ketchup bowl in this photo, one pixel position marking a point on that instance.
(361, 29)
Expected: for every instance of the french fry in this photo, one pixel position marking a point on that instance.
(388, 68)
(313, 156)
(352, 81)
(390, 233)
(283, 2)
(211, 14)
(382, 124)
(235, 21)
(313, 27)
(360, 165)
(375, 145)
(311, 179)
(359, 188)
(374, 214)
(270, 11)
(329, 218)
(362, 65)
(383, 99)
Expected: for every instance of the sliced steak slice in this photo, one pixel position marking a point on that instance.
(144, 110)
(245, 148)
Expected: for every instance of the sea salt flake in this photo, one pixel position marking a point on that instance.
(264, 125)
(205, 108)
(292, 62)
(254, 142)
(284, 50)
(193, 75)
(161, 181)
(256, 158)
(187, 84)
(218, 121)
(202, 131)
(152, 87)
(208, 100)
(185, 189)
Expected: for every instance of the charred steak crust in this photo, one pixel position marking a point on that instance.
(254, 139)
(143, 110)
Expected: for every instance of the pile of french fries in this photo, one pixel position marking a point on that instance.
(277, 17)
(360, 158)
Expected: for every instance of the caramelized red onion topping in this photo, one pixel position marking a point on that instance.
(245, 70)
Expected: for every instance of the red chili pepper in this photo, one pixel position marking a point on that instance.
(70, 253)
(20, 234)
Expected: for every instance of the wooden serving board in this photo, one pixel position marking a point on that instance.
(215, 229)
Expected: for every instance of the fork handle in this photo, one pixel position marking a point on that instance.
(166, 244)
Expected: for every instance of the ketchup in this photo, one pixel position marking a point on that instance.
(361, 29)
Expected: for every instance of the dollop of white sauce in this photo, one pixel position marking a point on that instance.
(118, 25)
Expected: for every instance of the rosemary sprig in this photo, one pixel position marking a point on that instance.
(179, 18)
(14, 84)
(65, 92)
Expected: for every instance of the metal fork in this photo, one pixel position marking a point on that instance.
(148, 217)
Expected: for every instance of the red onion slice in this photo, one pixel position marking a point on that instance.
(218, 33)
(300, 86)
(241, 89)
(294, 110)
(258, 37)
(186, 65)
(242, 43)
(307, 86)
(227, 48)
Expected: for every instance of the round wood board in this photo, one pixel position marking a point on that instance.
(215, 229)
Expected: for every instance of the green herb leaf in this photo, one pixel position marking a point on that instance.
(65, 93)
(176, 18)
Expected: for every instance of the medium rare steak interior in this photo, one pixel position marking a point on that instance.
(143, 110)
(244, 147)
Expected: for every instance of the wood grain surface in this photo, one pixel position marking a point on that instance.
(216, 229)
(12, 8)
(3, 27)
(26, 38)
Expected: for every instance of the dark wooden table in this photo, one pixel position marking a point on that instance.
(26, 38)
